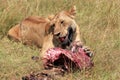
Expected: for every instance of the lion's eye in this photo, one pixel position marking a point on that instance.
(53, 25)
(62, 22)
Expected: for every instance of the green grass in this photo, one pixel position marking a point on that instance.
(99, 22)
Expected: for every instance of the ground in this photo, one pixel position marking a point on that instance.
(99, 22)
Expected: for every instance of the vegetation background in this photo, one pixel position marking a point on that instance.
(99, 22)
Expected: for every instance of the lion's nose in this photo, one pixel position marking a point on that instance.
(57, 34)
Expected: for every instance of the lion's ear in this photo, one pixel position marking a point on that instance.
(72, 11)
(50, 17)
(49, 29)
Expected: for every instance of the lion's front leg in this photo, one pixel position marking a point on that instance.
(78, 42)
(77, 36)
(47, 44)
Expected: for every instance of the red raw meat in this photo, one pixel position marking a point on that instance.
(77, 56)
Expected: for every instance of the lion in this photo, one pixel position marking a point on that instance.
(58, 30)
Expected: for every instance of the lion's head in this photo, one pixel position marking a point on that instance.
(64, 27)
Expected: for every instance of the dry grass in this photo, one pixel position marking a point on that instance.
(99, 22)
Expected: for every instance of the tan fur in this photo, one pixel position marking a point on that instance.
(14, 33)
(30, 31)
(35, 30)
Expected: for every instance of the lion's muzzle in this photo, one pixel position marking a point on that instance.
(68, 38)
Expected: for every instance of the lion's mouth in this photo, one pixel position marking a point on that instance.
(66, 40)
(62, 39)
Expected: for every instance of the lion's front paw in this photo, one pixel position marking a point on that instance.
(88, 51)
(75, 45)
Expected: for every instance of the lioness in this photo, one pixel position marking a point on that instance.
(57, 31)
